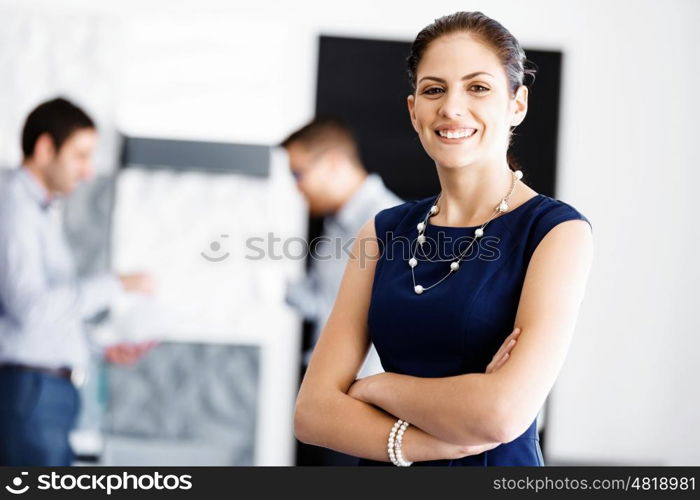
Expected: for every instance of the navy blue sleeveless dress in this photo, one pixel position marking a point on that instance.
(457, 326)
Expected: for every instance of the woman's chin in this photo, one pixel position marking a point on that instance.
(454, 162)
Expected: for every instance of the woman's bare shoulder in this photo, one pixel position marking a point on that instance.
(344, 342)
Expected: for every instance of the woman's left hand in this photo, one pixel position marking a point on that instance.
(503, 354)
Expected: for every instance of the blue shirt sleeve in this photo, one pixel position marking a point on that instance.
(29, 297)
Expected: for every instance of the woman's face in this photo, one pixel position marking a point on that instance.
(463, 108)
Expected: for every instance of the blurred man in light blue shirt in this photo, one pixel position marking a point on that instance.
(43, 302)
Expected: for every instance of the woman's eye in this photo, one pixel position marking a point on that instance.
(432, 90)
(483, 89)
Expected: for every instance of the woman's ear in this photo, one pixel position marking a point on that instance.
(411, 101)
(520, 112)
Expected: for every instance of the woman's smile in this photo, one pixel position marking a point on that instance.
(460, 135)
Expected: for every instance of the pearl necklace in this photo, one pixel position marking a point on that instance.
(478, 233)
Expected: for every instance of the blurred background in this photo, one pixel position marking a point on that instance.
(192, 100)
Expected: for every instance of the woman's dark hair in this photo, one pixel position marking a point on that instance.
(59, 118)
(489, 32)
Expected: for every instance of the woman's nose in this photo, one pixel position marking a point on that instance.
(453, 106)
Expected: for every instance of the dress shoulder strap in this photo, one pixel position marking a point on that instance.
(549, 215)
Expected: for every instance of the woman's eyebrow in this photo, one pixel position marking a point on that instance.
(465, 77)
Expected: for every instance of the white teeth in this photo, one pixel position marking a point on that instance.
(457, 134)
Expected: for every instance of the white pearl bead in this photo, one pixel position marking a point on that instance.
(434, 209)
(503, 206)
(519, 174)
(421, 227)
(479, 233)
(454, 266)
(412, 262)
(418, 289)
(421, 239)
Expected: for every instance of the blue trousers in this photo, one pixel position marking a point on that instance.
(37, 412)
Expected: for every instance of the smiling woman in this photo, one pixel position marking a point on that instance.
(471, 339)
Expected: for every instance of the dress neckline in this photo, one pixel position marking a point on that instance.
(509, 212)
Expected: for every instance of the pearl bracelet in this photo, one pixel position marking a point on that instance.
(390, 442)
(394, 443)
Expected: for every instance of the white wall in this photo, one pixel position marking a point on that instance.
(628, 392)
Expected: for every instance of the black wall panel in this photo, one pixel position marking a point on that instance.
(364, 82)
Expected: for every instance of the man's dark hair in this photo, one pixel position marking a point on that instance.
(59, 118)
(326, 132)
